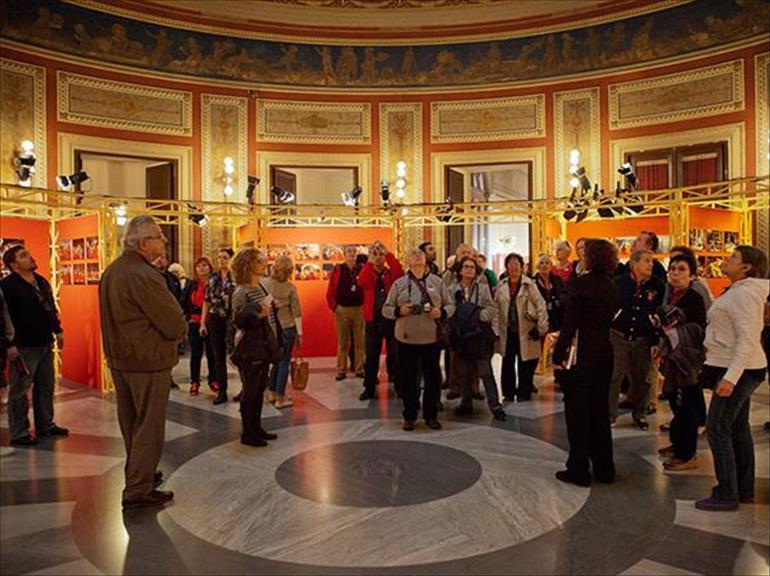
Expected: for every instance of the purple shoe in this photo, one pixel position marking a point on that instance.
(713, 504)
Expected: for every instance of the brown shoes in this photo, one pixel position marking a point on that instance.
(676, 465)
(154, 498)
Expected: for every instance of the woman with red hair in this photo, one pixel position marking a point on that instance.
(192, 304)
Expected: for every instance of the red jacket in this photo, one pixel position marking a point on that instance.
(334, 282)
(367, 279)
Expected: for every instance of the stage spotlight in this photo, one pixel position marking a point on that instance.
(627, 170)
(253, 181)
(446, 211)
(570, 212)
(69, 182)
(385, 191)
(352, 198)
(580, 176)
(281, 196)
(200, 219)
(24, 163)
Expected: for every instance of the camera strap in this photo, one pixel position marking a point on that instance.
(421, 285)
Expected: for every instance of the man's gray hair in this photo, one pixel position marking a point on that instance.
(637, 255)
(139, 228)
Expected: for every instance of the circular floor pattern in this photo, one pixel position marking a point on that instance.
(378, 473)
(241, 505)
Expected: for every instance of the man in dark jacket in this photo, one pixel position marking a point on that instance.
(646, 240)
(633, 334)
(32, 310)
(141, 325)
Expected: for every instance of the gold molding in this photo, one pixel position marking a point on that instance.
(39, 131)
(362, 162)
(183, 155)
(733, 134)
(654, 86)
(512, 106)
(762, 110)
(561, 146)
(66, 80)
(414, 161)
(318, 119)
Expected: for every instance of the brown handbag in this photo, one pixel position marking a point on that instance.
(300, 371)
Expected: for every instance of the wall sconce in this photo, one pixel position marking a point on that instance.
(400, 179)
(574, 162)
(228, 178)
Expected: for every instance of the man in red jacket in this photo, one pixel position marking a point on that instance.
(345, 298)
(376, 278)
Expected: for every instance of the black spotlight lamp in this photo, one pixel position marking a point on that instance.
(352, 198)
(251, 188)
(570, 212)
(580, 174)
(627, 170)
(385, 191)
(200, 219)
(281, 196)
(69, 182)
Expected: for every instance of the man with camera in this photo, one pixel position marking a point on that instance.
(418, 302)
(633, 335)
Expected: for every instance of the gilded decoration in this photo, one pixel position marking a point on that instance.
(488, 120)
(110, 104)
(762, 67)
(22, 117)
(224, 133)
(678, 30)
(576, 121)
(313, 122)
(693, 94)
(401, 139)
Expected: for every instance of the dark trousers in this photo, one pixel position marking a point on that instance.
(415, 359)
(39, 363)
(631, 358)
(688, 406)
(375, 332)
(586, 410)
(197, 345)
(470, 370)
(217, 328)
(729, 435)
(517, 375)
(254, 380)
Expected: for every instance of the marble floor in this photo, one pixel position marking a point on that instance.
(345, 491)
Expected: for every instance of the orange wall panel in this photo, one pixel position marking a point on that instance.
(36, 239)
(616, 228)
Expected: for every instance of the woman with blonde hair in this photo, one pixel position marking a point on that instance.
(257, 337)
(286, 302)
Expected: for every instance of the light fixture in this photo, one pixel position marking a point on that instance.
(69, 182)
(281, 196)
(400, 179)
(385, 191)
(627, 170)
(227, 178)
(352, 198)
(252, 185)
(121, 213)
(580, 175)
(446, 211)
(200, 219)
(24, 163)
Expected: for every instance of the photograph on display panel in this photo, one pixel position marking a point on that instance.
(65, 274)
(79, 273)
(307, 251)
(92, 273)
(92, 248)
(79, 249)
(65, 250)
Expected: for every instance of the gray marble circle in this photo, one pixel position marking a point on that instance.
(378, 473)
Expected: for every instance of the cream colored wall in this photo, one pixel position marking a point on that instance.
(322, 186)
(116, 177)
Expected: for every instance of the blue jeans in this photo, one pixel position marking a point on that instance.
(39, 363)
(729, 435)
(280, 372)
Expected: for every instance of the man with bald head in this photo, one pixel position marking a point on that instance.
(142, 324)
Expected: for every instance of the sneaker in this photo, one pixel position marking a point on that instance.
(433, 424)
(666, 450)
(194, 388)
(713, 504)
(339, 376)
(408, 425)
(284, 403)
(677, 465)
(24, 441)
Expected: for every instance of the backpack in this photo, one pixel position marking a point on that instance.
(469, 336)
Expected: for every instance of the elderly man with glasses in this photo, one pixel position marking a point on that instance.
(142, 324)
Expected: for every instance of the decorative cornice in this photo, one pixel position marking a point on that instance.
(118, 112)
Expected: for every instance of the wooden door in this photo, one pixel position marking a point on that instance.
(161, 185)
(454, 235)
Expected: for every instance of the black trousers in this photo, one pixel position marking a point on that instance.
(587, 412)
(517, 376)
(217, 328)
(376, 332)
(416, 359)
(197, 345)
(688, 407)
(254, 379)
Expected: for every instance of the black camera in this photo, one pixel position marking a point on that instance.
(415, 308)
(534, 334)
(668, 315)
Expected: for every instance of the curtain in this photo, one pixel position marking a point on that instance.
(652, 175)
(699, 169)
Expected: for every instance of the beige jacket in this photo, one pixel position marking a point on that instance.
(532, 312)
(141, 320)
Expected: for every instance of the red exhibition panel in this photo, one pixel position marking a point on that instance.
(35, 234)
(317, 320)
(79, 300)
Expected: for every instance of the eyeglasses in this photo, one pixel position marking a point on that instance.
(469, 266)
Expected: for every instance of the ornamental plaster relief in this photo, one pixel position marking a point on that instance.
(313, 122)
(576, 126)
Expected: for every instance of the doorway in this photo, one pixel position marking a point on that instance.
(315, 184)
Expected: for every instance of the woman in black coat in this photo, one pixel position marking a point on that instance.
(593, 302)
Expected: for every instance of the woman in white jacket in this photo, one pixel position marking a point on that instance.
(735, 366)
(523, 320)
